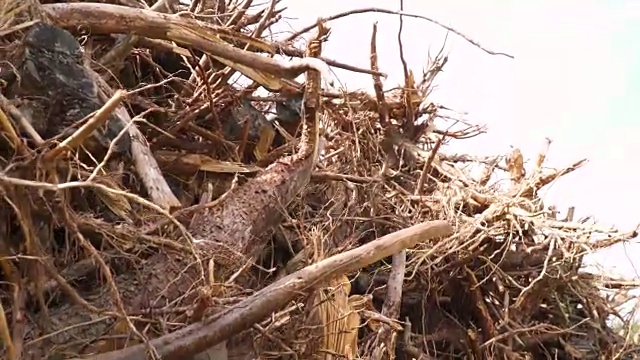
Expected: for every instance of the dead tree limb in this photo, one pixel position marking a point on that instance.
(115, 19)
(199, 337)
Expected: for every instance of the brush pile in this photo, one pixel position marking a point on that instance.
(153, 208)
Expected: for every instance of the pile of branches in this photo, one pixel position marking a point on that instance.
(152, 207)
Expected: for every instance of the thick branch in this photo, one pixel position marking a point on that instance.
(199, 337)
(114, 19)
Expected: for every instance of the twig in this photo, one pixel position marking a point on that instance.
(392, 12)
(548, 178)
(23, 122)
(409, 89)
(5, 335)
(427, 166)
(18, 304)
(292, 51)
(8, 126)
(409, 348)
(326, 176)
(391, 306)
(383, 108)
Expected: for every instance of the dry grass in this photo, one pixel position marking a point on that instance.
(80, 226)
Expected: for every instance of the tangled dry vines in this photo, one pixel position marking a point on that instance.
(152, 208)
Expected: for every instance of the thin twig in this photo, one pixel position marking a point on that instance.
(392, 12)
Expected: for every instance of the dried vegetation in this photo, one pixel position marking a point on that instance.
(151, 207)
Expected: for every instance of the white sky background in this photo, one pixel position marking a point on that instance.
(572, 80)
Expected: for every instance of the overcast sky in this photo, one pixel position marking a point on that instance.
(575, 79)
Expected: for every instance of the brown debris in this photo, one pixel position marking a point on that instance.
(307, 223)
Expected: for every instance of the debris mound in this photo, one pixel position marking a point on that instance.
(156, 207)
